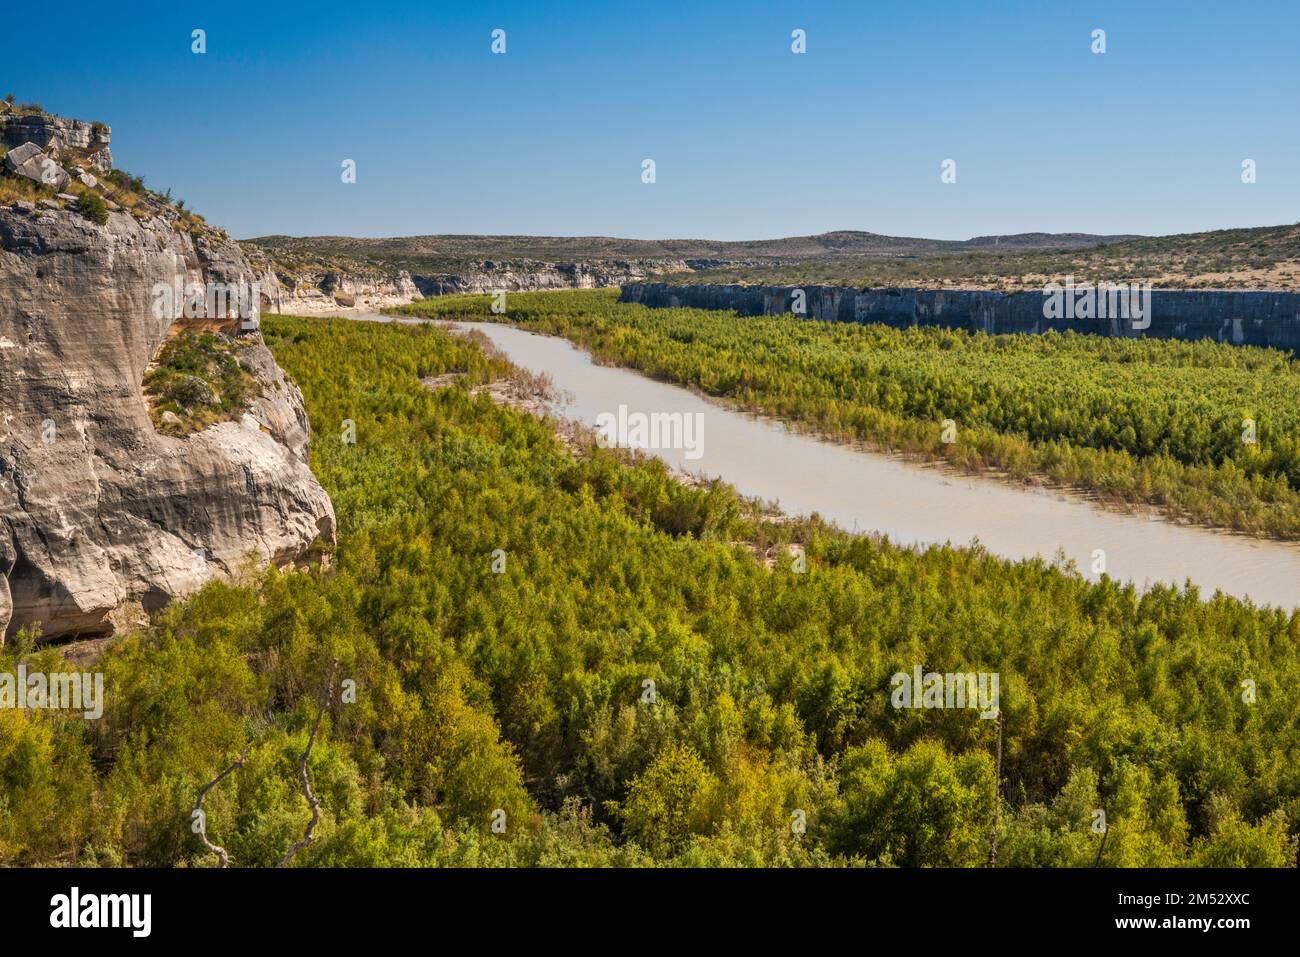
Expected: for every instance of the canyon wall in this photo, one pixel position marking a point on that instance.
(328, 292)
(103, 517)
(1241, 317)
(310, 292)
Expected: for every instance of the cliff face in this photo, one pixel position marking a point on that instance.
(100, 513)
(326, 291)
(308, 291)
(1258, 318)
(525, 276)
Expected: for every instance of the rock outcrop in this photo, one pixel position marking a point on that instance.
(99, 511)
(1242, 317)
(317, 291)
(59, 137)
(320, 292)
(528, 275)
(6, 602)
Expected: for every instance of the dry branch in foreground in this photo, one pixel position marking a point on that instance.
(312, 801)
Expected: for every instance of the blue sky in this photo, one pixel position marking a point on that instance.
(749, 139)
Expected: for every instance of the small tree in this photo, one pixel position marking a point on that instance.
(671, 800)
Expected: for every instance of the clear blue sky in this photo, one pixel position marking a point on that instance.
(750, 140)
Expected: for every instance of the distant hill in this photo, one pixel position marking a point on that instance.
(440, 253)
(1264, 257)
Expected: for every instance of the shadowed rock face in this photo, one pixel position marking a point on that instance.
(99, 511)
(1242, 317)
(6, 605)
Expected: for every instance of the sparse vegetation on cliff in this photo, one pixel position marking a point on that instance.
(21, 109)
(197, 382)
(15, 189)
(92, 206)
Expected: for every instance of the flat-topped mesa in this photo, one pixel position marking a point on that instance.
(110, 505)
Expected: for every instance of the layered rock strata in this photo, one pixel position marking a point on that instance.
(1259, 318)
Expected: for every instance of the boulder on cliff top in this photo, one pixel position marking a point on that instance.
(19, 155)
(37, 167)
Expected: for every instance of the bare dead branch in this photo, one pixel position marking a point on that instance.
(222, 856)
(312, 801)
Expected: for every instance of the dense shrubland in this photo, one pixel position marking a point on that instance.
(524, 692)
(1148, 421)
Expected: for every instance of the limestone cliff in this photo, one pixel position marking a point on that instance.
(312, 292)
(1243, 317)
(528, 275)
(99, 510)
(319, 289)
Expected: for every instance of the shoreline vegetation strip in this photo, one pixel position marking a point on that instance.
(1202, 432)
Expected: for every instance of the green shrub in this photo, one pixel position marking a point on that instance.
(198, 379)
(93, 208)
(124, 180)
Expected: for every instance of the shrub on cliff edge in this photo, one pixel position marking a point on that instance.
(93, 208)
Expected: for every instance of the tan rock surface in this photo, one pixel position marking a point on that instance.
(97, 509)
